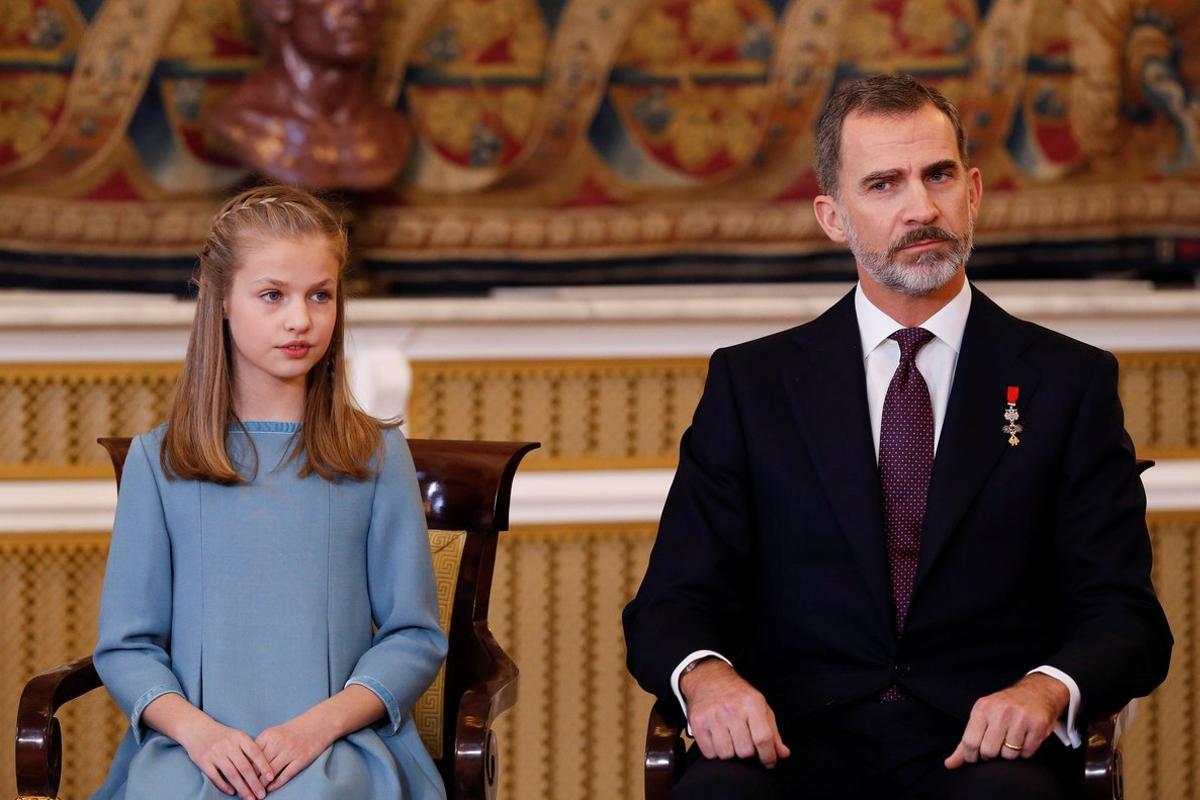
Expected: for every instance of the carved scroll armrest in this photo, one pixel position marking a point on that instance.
(664, 754)
(476, 758)
(1102, 766)
(39, 737)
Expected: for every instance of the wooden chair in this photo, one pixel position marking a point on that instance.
(466, 487)
(665, 762)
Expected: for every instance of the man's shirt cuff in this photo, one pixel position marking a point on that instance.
(1065, 730)
(679, 671)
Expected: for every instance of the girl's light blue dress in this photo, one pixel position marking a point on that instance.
(256, 602)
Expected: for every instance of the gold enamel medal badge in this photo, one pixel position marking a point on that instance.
(1011, 415)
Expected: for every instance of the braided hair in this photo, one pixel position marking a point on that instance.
(336, 437)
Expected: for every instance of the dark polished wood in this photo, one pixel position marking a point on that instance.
(1102, 764)
(476, 755)
(464, 486)
(664, 761)
(664, 753)
(39, 738)
(467, 485)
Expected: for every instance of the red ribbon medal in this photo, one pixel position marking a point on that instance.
(1011, 415)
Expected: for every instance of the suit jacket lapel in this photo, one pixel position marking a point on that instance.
(828, 392)
(972, 442)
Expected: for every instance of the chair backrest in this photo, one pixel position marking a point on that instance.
(465, 488)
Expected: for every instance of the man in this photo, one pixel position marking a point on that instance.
(905, 553)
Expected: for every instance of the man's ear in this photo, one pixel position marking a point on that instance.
(829, 217)
(974, 190)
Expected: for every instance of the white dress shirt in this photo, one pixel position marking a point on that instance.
(936, 362)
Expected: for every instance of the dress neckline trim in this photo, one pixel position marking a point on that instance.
(265, 426)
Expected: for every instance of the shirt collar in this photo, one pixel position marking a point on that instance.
(947, 324)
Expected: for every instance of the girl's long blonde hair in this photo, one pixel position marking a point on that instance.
(337, 438)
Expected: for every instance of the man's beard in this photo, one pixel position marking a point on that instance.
(926, 273)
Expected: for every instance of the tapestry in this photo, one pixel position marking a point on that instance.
(602, 141)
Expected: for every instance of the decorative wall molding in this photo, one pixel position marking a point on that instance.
(37, 507)
(458, 232)
(602, 322)
(389, 234)
(539, 497)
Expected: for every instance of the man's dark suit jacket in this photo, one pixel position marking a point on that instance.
(771, 544)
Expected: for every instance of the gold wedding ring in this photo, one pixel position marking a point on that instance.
(1011, 746)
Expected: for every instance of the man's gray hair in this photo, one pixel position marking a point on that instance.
(884, 95)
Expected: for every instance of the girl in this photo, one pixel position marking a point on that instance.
(258, 534)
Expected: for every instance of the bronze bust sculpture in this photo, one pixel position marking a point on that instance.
(309, 117)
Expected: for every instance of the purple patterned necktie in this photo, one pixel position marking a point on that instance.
(905, 464)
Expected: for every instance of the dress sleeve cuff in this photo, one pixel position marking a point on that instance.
(689, 658)
(385, 696)
(148, 697)
(1065, 729)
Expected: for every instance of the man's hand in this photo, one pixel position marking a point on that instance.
(294, 745)
(729, 717)
(1012, 723)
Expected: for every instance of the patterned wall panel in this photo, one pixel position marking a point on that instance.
(53, 414)
(587, 414)
(50, 585)
(1162, 749)
(602, 414)
(577, 730)
(1162, 413)
(580, 721)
